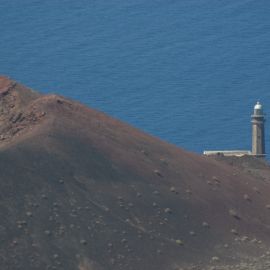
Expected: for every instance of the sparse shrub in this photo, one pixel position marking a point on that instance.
(179, 242)
(215, 259)
(205, 224)
(247, 198)
(168, 211)
(157, 172)
(234, 213)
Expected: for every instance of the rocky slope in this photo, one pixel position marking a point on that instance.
(81, 190)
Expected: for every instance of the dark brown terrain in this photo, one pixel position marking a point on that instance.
(81, 190)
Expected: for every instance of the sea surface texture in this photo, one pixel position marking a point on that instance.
(187, 71)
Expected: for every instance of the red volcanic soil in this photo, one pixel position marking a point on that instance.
(81, 190)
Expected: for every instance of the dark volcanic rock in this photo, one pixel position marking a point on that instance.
(80, 190)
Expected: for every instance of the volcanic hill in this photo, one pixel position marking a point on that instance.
(81, 190)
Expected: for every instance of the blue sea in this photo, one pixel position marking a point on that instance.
(187, 71)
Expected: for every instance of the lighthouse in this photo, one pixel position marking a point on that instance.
(258, 139)
(258, 120)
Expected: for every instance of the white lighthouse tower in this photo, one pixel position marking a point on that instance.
(258, 140)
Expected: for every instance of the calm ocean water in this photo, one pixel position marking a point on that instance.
(187, 71)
